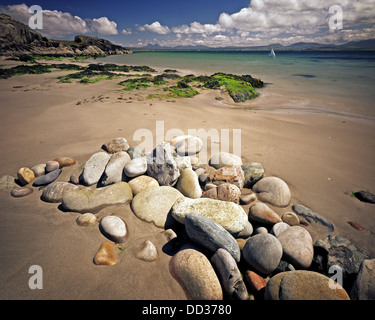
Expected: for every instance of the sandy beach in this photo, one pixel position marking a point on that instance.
(322, 157)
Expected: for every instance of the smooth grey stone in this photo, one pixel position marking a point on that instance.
(263, 252)
(210, 235)
(48, 178)
(229, 275)
(312, 216)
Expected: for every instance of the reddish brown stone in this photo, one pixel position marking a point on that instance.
(230, 174)
(210, 193)
(254, 281)
(65, 162)
(21, 192)
(228, 192)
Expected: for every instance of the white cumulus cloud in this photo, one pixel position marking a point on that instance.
(58, 24)
(155, 27)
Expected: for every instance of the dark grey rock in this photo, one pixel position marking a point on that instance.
(48, 178)
(338, 251)
(162, 166)
(210, 235)
(365, 196)
(312, 216)
(364, 286)
(229, 275)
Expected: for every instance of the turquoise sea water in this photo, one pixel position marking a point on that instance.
(340, 83)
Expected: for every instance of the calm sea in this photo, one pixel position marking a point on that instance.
(334, 83)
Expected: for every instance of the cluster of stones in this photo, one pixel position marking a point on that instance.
(219, 249)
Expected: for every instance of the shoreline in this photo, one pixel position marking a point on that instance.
(322, 158)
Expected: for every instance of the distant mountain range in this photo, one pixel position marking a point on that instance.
(299, 46)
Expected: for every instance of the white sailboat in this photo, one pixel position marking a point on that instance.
(272, 54)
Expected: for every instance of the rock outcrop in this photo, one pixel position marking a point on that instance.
(17, 38)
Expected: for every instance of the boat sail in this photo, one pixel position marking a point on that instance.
(272, 54)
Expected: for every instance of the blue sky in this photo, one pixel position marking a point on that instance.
(214, 23)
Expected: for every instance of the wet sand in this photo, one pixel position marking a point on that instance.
(323, 157)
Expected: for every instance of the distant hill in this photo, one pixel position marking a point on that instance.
(16, 38)
(299, 46)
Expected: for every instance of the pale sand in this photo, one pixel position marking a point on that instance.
(322, 158)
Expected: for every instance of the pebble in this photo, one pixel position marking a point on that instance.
(209, 186)
(210, 235)
(106, 255)
(51, 166)
(229, 275)
(136, 167)
(162, 166)
(263, 252)
(7, 183)
(188, 184)
(183, 163)
(116, 145)
(254, 281)
(147, 252)
(297, 246)
(21, 192)
(135, 152)
(253, 172)
(94, 168)
(39, 170)
(199, 171)
(154, 204)
(141, 183)
(25, 176)
(303, 285)
(86, 219)
(313, 217)
(228, 192)
(195, 274)
(48, 178)
(114, 169)
(290, 218)
(114, 228)
(365, 196)
(228, 214)
(55, 191)
(278, 228)
(261, 230)
(210, 193)
(245, 233)
(260, 212)
(223, 159)
(364, 285)
(339, 251)
(231, 174)
(246, 199)
(92, 200)
(273, 190)
(74, 179)
(189, 146)
(65, 162)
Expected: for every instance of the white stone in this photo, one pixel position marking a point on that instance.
(136, 167)
(114, 228)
